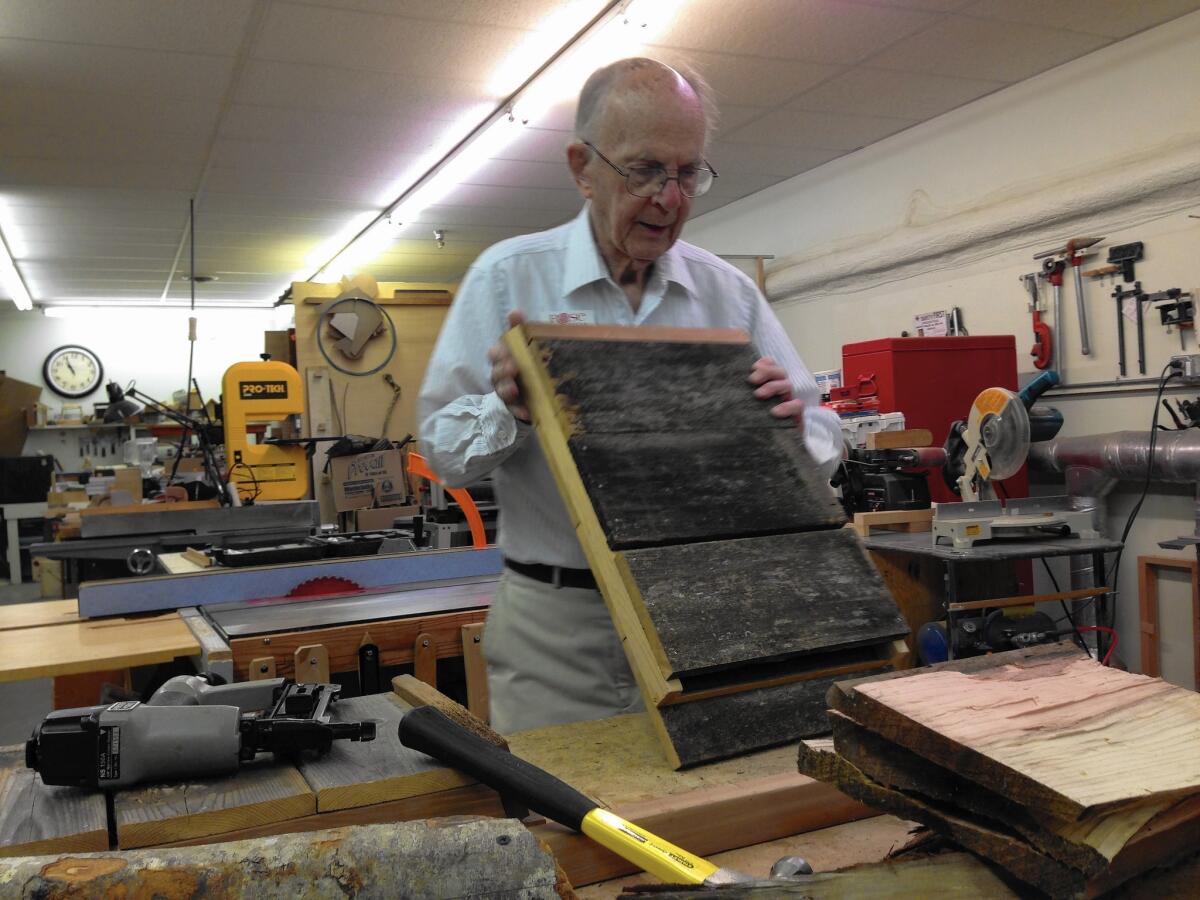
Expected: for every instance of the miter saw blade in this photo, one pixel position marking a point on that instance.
(1000, 419)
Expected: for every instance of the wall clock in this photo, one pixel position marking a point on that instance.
(72, 371)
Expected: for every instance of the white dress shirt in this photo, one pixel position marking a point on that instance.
(467, 432)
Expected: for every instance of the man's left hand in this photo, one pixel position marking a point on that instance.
(772, 382)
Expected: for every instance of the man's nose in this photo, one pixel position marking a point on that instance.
(670, 197)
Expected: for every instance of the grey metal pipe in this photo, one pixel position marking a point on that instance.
(1123, 455)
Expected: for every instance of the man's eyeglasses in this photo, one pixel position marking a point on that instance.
(646, 181)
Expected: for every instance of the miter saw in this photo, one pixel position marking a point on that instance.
(990, 446)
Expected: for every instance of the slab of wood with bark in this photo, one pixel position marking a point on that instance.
(1071, 776)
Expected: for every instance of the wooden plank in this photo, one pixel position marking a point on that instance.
(138, 508)
(415, 692)
(1148, 611)
(652, 488)
(425, 659)
(260, 792)
(311, 664)
(719, 604)
(993, 842)
(395, 639)
(1046, 708)
(906, 519)
(422, 859)
(710, 821)
(1029, 599)
(262, 668)
(908, 437)
(475, 667)
(356, 773)
(94, 645)
(35, 818)
(916, 584)
(40, 612)
(542, 331)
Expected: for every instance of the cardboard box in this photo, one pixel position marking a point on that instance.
(368, 479)
(15, 397)
(119, 485)
(48, 572)
(382, 517)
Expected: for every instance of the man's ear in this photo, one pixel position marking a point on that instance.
(578, 157)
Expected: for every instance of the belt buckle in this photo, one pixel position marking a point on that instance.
(556, 577)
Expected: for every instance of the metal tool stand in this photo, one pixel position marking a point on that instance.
(919, 544)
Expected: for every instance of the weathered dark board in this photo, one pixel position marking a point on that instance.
(355, 773)
(895, 768)
(707, 730)
(655, 488)
(614, 387)
(979, 836)
(35, 818)
(724, 603)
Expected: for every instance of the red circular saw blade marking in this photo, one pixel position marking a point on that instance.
(325, 585)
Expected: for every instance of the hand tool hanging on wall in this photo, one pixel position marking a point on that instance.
(1043, 341)
(1052, 272)
(1073, 254)
(1119, 294)
(1176, 309)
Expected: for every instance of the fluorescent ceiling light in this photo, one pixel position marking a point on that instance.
(10, 279)
(562, 58)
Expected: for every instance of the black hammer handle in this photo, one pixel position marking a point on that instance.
(429, 731)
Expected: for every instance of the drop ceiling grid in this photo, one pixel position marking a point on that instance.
(105, 116)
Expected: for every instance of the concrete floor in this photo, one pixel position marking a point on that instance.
(864, 841)
(22, 703)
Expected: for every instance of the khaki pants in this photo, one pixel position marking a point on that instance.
(553, 657)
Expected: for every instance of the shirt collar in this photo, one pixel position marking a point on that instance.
(585, 264)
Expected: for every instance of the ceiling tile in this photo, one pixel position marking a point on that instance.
(766, 159)
(302, 185)
(821, 31)
(512, 198)
(980, 48)
(375, 159)
(135, 73)
(384, 43)
(747, 80)
(818, 130)
(182, 25)
(527, 218)
(927, 5)
(86, 113)
(539, 145)
(522, 174)
(96, 174)
(1112, 18)
(312, 85)
(513, 13)
(879, 92)
(104, 144)
(267, 123)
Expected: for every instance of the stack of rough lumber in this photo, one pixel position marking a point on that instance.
(1070, 776)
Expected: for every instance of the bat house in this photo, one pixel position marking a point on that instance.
(738, 595)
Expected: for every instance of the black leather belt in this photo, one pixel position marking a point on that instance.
(555, 575)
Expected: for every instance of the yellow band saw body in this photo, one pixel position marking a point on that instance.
(257, 392)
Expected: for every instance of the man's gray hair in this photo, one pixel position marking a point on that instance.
(594, 97)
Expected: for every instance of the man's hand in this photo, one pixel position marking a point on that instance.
(505, 374)
(772, 381)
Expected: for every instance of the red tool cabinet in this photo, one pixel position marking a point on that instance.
(933, 381)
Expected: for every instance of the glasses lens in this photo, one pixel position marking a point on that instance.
(695, 182)
(645, 181)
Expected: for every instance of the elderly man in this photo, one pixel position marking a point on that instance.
(638, 159)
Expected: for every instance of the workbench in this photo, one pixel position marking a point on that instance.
(958, 564)
(13, 513)
(619, 762)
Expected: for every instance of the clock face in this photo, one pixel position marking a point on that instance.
(73, 371)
